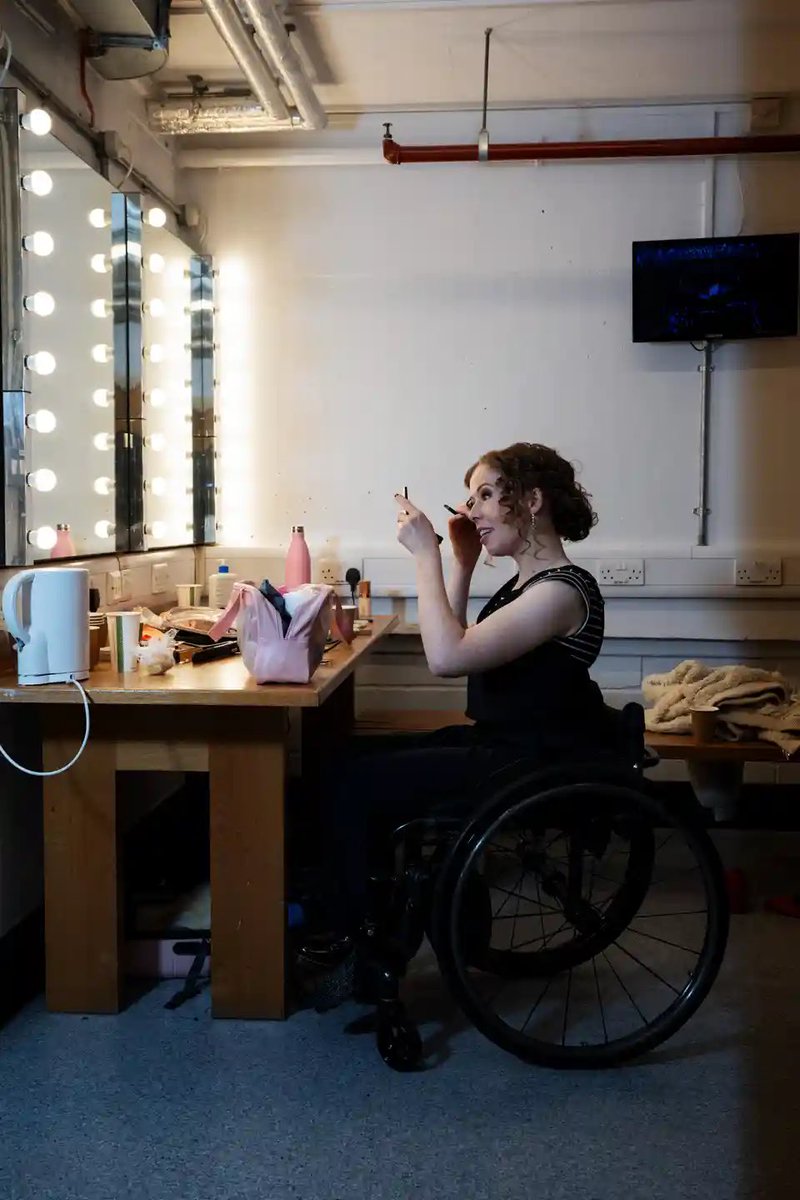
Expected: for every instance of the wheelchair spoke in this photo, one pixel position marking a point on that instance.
(508, 894)
(625, 990)
(538, 1002)
(664, 941)
(600, 1000)
(695, 912)
(655, 974)
(566, 1009)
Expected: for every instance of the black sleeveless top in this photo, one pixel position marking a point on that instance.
(545, 697)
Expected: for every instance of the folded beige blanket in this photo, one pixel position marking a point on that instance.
(754, 703)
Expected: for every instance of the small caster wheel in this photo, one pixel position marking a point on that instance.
(399, 1043)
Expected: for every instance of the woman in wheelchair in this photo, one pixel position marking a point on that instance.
(534, 898)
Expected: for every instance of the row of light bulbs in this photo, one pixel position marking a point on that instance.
(41, 243)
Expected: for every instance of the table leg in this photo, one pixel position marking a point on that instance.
(82, 884)
(247, 778)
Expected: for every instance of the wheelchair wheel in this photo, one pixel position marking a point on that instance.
(608, 922)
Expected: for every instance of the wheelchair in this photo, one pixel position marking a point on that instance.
(577, 920)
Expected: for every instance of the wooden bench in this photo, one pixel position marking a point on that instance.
(715, 768)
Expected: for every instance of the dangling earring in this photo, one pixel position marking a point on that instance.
(533, 524)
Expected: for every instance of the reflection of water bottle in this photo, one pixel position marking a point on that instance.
(64, 546)
(298, 560)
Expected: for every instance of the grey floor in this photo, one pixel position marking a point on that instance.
(170, 1104)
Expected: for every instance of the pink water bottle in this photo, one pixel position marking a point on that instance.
(298, 559)
(64, 546)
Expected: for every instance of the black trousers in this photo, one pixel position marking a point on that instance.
(383, 781)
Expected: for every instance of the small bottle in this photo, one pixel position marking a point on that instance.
(220, 586)
(64, 546)
(298, 560)
(364, 600)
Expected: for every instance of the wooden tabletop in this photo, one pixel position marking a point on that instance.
(224, 682)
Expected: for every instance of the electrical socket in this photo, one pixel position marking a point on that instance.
(329, 572)
(759, 572)
(628, 572)
(159, 578)
(118, 585)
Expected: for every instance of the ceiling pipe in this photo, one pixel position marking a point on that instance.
(237, 37)
(207, 114)
(702, 147)
(271, 32)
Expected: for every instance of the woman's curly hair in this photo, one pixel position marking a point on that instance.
(528, 465)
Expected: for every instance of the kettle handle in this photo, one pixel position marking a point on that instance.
(10, 608)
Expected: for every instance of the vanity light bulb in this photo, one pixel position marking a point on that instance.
(101, 397)
(156, 529)
(101, 353)
(155, 308)
(100, 308)
(104, 529)
(99, 218)
(154, 353)
(42, 421)
(43, 480)
(38, 182)
(102, 441)
(155, 441)
(156, 217)
(104, 486)
(156, 263)
(43, 538)
(37, 121)
(39, 243)
(158, 486)
(41, 363)
(99, 263)
(155, 397)
(41, 303)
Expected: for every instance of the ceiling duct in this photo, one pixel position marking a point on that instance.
(230, 26)
(126, 38)
(219, 114)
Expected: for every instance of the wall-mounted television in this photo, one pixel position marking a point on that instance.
(699, 289)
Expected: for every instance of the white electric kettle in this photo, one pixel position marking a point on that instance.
(47, 611)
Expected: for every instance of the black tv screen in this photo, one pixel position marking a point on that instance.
(697, 289)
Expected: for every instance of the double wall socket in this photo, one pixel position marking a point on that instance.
(628, 572)
(759, 572)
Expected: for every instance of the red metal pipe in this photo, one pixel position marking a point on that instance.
(703, 147)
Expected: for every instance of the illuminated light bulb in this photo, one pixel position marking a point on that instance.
(41, 303)
(41, 363)
(43, 538)
(101, 353)
(158, 486)
(155, 441)
(156, 263)
(99, 263)
(104, 529)
(101, 397)
(99, 218)
(156, 217)
(43, 480)
(40, 243)
(38, 182)
(156, 529)
(154, 353)
(37, 121)
(155, 397)
(100, 308)
(104, 486)
(155, 308)
(102, 441)
(42, 421)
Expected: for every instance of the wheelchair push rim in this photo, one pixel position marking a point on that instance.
(582, 957)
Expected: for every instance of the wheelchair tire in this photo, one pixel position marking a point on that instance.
(517, 805)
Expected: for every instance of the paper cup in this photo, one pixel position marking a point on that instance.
(704, 722)
(344, 624)
(123, 639)
(189, 594)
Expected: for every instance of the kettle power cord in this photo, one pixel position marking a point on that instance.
(72, 761)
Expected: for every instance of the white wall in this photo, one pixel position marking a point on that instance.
(382, 326)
